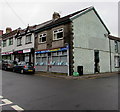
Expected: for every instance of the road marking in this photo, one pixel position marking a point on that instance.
(16, 107)
(6, 102)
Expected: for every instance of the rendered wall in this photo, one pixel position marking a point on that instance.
(89, 36)
(25, 46)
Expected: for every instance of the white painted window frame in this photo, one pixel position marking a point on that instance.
(26, 40)
(42, 36)
(20, 41)
(58, 31)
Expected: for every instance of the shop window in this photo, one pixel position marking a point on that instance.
(58, 34)
(116, 46)
(38, 60)
(54, 54)
(4, 43)
(28, 39)
(117, 61)
(42, 38)
(11, 41)
(52, 63)
(63, 60)
(64, 52)
(19, 41)
(55, 60)
(41, 59)
(59, 53)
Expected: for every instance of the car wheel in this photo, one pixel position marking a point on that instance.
(22, 71)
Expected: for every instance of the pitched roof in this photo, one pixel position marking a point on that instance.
(67, 19)
(12, 33)
(114, 38)
(59, 21)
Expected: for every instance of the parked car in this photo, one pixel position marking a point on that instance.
(7, 64)
(24, 67)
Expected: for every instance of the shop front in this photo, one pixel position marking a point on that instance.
(7, 55)
(53, 60)
(26, 55)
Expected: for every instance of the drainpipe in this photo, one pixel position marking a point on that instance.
(110, 56)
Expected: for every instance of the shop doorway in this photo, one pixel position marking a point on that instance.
(96, 62)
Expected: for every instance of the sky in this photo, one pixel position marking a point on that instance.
(20, 13)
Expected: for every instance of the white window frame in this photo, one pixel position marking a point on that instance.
(11, 39)
(27, 40)
(20, 38)
(55, 32)
(43, 35)
(4, 42)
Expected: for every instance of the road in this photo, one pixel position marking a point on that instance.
(44, 93)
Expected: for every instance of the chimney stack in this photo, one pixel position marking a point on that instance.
(1, 32)
(8, 30)
(56, 16)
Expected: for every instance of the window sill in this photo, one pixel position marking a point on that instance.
(28, 43)
(19, 45)
(57, 39)
(117, 67)
(42, 42)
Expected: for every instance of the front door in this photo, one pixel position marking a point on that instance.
(96, 61)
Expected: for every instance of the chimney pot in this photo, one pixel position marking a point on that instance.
(8, 30)
(56, 16)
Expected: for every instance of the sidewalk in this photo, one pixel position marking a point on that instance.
(64, 76)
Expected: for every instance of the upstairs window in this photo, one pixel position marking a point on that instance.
(11, 41)
(42, 38)
(116, 46)
(19, 41)
(28, 39)
(58, 34)
(4, 43)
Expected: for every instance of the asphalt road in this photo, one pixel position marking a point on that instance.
(44, 93)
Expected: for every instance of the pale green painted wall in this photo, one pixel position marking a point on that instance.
(89, 36)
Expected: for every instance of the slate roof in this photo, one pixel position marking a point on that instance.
(52, 23)
(59, 21)
(12, 33)
(67, 19)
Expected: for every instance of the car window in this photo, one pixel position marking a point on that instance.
(23, 63)
(30, 64)
(19, 63)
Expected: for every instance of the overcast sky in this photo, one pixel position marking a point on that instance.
(20, 13)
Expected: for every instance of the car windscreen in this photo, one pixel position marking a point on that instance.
(29, 64)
